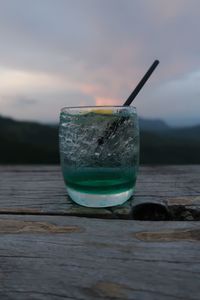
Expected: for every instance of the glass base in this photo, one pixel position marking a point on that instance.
(101, 200)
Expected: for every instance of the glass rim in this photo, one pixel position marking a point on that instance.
(97, 106)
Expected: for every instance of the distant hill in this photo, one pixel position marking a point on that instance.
(153, 125)
(27, 142)
(167, 145)
(34, 143)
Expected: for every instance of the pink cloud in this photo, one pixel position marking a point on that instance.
(163, 11)
(100, 101)
(89, 89)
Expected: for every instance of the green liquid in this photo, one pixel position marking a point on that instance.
(100, 180)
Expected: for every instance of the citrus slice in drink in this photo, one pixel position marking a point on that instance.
(102, 111)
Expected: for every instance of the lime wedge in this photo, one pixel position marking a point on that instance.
(102, 111)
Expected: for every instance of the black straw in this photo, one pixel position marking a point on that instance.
(113, 127)
(141, 83)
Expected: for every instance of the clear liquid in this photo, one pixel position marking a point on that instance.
(99, 156)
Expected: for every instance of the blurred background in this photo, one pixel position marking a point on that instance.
(56, 53)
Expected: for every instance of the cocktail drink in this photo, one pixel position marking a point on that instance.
(99, 153)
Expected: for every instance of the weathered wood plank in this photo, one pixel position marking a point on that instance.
(57, 257)
(162, 192)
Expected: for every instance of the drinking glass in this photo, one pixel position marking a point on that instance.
(99, 153)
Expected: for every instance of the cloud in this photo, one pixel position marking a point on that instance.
(22, 101)
(95, 49)
(107, 101)
(45, 108)
(175, 101)
(165, 11)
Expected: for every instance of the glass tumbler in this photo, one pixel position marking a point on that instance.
(99, 153)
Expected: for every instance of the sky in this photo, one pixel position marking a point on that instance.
(57, 53)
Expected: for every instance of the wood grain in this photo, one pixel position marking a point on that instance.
(103, 259)
(162, 193)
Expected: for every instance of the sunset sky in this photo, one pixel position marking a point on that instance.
(56, 53)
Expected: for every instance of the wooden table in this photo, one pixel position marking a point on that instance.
(51, 248)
